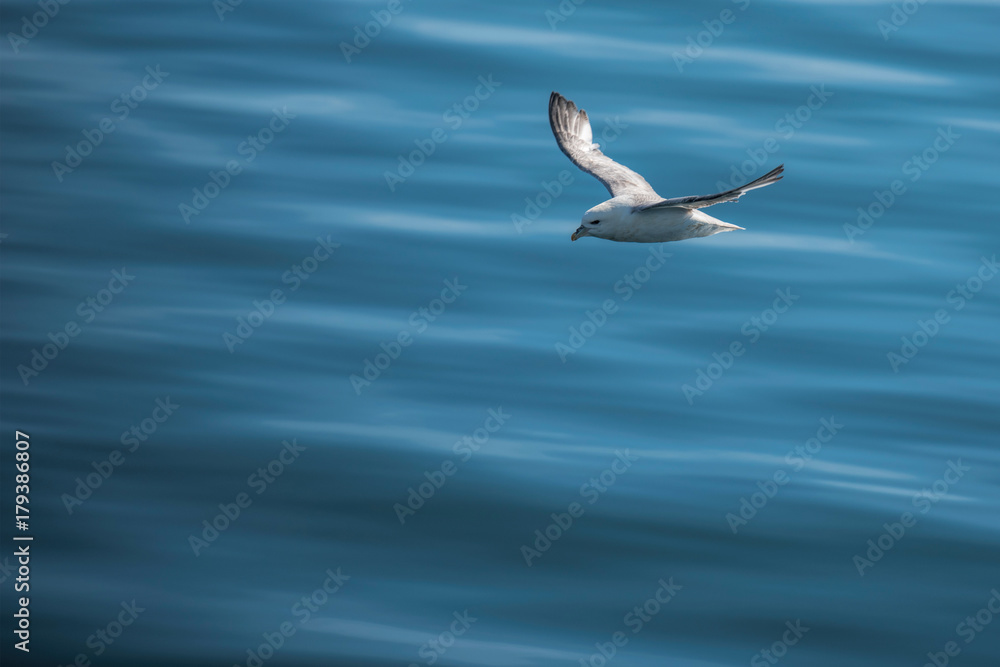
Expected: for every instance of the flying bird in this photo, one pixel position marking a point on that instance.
(635, 212)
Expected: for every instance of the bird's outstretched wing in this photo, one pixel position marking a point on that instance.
(576, 139)
(701, 201)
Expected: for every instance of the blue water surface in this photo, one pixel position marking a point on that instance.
(313, 374)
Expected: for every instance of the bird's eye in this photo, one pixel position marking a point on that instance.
(595, 222)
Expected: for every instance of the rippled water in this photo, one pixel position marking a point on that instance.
(550, 452)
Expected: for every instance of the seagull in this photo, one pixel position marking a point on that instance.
(635, 212)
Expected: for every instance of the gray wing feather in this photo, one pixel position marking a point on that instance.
(571, 127)
(701, 201)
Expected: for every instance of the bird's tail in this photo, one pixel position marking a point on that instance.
(710, 225)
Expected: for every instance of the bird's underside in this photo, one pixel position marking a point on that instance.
(636, 212)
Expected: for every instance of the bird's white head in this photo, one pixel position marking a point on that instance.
(604, 221)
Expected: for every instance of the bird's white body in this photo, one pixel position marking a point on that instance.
(618, 221)
(635, 213)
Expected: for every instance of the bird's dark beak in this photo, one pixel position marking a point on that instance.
(580, 232)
